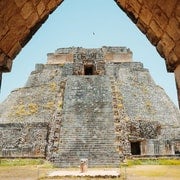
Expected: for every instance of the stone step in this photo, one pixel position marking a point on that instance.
(80, 124)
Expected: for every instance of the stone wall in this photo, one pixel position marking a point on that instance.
(147, 111)
(73, 54)
(23, 140)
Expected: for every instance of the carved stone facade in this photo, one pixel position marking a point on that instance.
(89, 103)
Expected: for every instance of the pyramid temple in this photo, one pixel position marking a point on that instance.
(89, 103)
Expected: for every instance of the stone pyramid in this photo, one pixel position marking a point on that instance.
(89, 103)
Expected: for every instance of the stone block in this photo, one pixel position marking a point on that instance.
(150, 4)
(122, 3)
(167, 6)
(152, 37)
(132, 11)
(143, 27)
(8, 41)
(5, 64)
(135, 5)
(154, 33)
(173, 29)
(15, 50)
(165, 45)
(177, 49)
(145, 15)
(32, 20)
(3, 28)
(172, 61)
(40, 8)
(36, 2)
(20, 3)
(52, 5)
(8, 9)
(20, 24)
(160, 17)
(177, 11)
(27, 9)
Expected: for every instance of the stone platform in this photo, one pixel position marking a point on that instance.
(111, 173)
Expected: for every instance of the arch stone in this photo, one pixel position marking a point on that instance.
(157, 19)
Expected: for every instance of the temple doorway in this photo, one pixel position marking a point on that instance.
(135, 148)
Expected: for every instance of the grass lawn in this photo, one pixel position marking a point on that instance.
(22, 169)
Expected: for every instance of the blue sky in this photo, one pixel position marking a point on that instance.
(73, 24)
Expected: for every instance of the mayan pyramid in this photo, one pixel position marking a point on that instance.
(89, 103)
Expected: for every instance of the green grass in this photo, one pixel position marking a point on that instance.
(130, 162)
(152, 162)
(24, 162)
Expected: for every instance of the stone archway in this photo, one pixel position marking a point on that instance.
(157, 19)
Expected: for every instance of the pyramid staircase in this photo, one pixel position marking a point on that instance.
(86, 124)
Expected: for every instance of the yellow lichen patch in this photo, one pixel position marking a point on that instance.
(33, 108)
(120, 97)
(144, 89)
(120, 105)
(53, 86)
(59, 105)
(20, 110)
(148, 105)
(49, 105)
(61, 65)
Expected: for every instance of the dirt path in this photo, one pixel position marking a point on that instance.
(143, 172)
(152, 172)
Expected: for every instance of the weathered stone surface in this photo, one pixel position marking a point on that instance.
(167, 6)
(27, 9)
(146, 15)
(5, 63)
(165, 45)
(91, 107)
(40, 8)
(23, 139)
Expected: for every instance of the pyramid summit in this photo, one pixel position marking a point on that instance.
(89, 103)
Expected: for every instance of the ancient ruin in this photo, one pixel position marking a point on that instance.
(95, 104)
